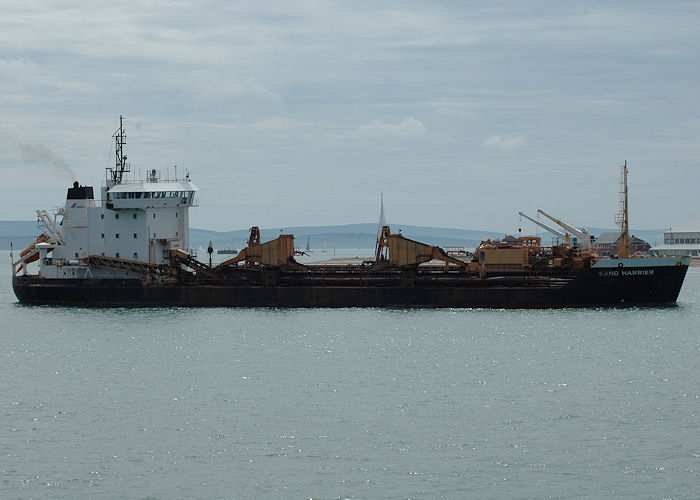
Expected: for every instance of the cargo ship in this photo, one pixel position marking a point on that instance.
(130, 248)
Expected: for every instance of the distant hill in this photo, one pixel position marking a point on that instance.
(18, 228)
(20, 233)
(345, 236)
(364, 235)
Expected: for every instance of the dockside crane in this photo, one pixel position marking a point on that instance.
(585, 240)
(563, 236)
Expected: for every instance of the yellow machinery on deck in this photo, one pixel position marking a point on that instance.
(396, 250)
(275, 253)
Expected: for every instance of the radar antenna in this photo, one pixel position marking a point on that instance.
(121, 166)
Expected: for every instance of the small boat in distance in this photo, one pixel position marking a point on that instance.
(228, 251)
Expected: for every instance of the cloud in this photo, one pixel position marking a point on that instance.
(17, 70)
(499, 142)
(277, 123)
(25, 81)
(217, 91)
(331, 85)
(407, 129)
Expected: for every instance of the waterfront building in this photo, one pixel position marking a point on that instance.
(680, 241)
(607, 244)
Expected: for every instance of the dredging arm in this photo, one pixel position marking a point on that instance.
(396, 250)
(275, 253)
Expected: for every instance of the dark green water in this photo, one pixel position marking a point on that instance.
(365, 403)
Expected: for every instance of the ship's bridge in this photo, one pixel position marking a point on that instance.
(150, 194)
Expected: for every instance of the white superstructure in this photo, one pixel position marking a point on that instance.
(134, 220)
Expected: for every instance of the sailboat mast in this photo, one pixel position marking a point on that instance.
(382, 222)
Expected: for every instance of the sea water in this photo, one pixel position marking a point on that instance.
(349, 403)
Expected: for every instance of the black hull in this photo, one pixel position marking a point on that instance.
(590, 288)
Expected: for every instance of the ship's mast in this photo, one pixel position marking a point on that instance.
(121, 165)
(622, 219)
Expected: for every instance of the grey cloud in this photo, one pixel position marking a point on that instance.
(499, 142)
(248, 97)
(408, 128)
(322, 87)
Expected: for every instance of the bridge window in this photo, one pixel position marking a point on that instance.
(136, 235)
(116, 216)
(116, 255)
(117, 235)
(135, 215)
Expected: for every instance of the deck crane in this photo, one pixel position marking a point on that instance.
(54, 228)
(584, 239)
(564, 236)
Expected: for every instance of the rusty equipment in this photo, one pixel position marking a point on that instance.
(31, 253)
(275, 253)
(395, 250)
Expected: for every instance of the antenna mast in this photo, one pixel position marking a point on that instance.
(622, 219)
(121, 165)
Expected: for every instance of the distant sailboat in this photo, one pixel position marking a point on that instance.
(308, 244)
(382, 222)
(325, 247)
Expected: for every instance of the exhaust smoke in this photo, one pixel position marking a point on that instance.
(42, 153)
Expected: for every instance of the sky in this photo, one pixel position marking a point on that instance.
(302, 113)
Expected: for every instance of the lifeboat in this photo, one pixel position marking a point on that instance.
(30, 254)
